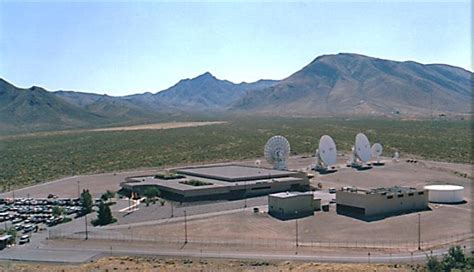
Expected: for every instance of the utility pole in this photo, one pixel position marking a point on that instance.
(185, 229)
(296, 232)
(419, 232)
(245, 194)
(87, 234)
(171, 204)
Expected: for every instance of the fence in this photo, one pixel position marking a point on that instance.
(405, 245)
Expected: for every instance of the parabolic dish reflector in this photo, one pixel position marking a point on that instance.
(362, 147)
(376, 150)
(327, 150)
(277, 151)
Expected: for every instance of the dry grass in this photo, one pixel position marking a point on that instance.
(160, 264)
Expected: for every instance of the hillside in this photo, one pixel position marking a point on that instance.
(331, 85)
(351, 84)
(204, 93)
(115, 108)
(36, 108)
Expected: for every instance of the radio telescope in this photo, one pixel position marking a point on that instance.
(325, 154)
(277, 151)
(257, 163)
(376, 151)
(396, 156)
(361, 152)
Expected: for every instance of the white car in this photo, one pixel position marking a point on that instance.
(24, 239)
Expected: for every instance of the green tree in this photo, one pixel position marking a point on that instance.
(454, 259)
(86, 202)
(151, 193)
(107, 195)
(12, 231)
(58, 211)
(433, 265)
(104, 215)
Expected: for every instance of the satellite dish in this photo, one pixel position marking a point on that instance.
(257, 163)
(326, 153)
(277, 151)
(361, 152)
(376, 151)
(362, 148)
(396, 156)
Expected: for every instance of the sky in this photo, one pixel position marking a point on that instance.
(127, 47)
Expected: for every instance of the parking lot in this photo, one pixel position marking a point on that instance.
(29, 215)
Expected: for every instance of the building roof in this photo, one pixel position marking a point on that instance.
(234, 173)
(290, 194)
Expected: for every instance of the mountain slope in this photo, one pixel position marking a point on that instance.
(202, 93)
(36, 108)
(347, 84)
(104, 105)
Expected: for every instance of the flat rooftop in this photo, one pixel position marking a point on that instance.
(290, 194)
(389, 190)
(233, 173)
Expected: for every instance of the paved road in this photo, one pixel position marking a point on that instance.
(78, 255)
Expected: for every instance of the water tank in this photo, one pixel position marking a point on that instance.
(445, 193)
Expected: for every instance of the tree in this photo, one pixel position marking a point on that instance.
(12, 231)
(58, 211)
(104, 215)
(107, 195)
(150, 194)
(433, 265)
(454, 260)
(86, 202)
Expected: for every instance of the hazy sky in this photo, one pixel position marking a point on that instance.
(124, 48)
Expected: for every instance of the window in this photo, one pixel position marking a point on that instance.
(421, 193)
(410, 194)
(390, 197)
(399, 196)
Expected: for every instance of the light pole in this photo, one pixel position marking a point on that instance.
(171, 204)
(78, 190)
(185, 229)
(296, 232)
(87, 234)
(419, 231)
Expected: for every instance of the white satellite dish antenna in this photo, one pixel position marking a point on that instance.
(396, 156)
(277, 151)
(376, 151)
(361, 152)
(325, 154)
(257, 163)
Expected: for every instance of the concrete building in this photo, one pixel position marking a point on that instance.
(289, 205)
(218, 182)
(378, 203)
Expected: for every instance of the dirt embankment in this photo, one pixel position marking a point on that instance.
(161, 264)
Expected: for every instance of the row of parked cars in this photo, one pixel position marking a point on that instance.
(29, 215)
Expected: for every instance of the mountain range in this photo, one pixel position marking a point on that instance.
(331, 85)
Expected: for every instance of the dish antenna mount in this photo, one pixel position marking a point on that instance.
(376, 151)
(277, 151)
(325, 154)
(361, 152)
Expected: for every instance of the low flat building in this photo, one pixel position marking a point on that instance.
(373, 204)
(288, 205)
(218, 182)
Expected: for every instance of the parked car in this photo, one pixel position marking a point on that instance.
(24, 239)
(332, 190)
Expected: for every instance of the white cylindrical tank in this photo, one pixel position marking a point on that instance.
(445, 193)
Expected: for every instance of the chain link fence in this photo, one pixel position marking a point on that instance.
(404, 245)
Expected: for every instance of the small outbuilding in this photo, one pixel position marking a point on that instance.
(378, 203)
(289, 205)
